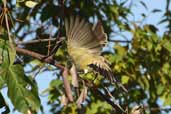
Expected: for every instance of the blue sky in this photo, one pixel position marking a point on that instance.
(43, 79)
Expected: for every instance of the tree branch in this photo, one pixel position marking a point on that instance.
(118, 109)
(39, 41)
(34, 41)
(121, 41)
(158, 109)
(6, 19)
(40, 57)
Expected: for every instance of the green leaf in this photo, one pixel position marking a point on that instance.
(160, 89)
(2, 77)
(143, 81)
(4, 55)
(121, 50)
(149, 45)
(61, 55)
(125, 79)
(70, 109)
(167, 100)
(12, 53)
(20, 0)
(4, 62)
(30, 3)
(7, 52)
(55, 83)
(99, 107)
(165, 68)
(167, 45)
(25, 97)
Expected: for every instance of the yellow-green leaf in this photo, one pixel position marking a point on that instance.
(30, 3)
(125, 79)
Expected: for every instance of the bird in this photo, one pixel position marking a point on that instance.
(138, 109)
(84, 46)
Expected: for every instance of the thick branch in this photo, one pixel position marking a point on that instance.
(40, 57)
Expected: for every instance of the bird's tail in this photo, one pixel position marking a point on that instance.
(107, 73)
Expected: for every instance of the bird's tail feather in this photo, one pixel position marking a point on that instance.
(109, 75)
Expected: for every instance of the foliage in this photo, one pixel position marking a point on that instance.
(21, 90)
(142, 64)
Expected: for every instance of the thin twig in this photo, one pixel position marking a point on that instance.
(38, 41)
(115, 106)
(50, 37)
(160, 109)
(39, 57)
(6, 21)
(121, 41)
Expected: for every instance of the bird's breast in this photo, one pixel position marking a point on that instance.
(80, 56)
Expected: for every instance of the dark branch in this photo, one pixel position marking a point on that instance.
(158, 109)
(118, 109)
(40, 57)
(34, 41)
(121, 41)
(39, 41)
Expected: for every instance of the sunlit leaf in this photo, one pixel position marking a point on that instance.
(124, 79)
(167, 45)
(99, 107)
(30, 3)
(20, 0)
(160, 89)
(167, 100)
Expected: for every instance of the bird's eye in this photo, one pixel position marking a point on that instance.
(90, 65)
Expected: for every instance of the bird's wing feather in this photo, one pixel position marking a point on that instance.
(99, 33)
(80, 34)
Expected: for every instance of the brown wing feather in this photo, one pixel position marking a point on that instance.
(99, 33)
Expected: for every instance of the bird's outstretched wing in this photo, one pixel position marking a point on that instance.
(81, 34)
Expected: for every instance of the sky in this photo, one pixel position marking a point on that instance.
(43, 79)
